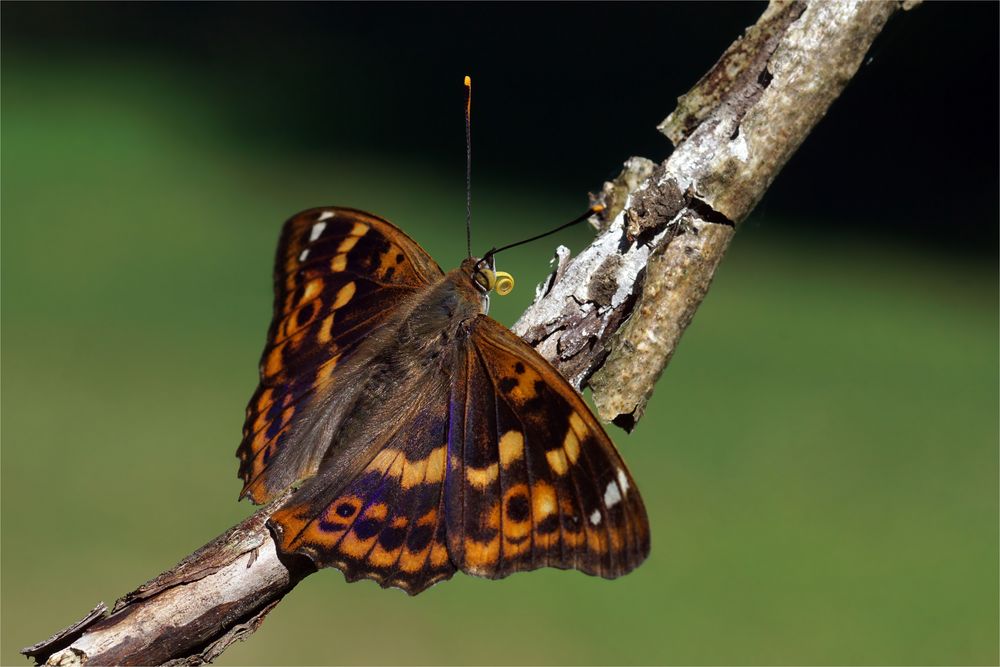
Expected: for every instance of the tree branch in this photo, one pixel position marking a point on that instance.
(658, 250)
(611, 317)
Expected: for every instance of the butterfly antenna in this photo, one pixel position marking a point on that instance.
(468, 164)
(596, 208)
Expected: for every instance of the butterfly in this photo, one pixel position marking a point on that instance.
(423, 436)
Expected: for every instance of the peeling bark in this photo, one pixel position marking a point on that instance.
(733, 132)
(190, 614)
(612, 316)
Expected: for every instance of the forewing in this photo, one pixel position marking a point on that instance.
(533, 480)
(339, 274)
(388, 523)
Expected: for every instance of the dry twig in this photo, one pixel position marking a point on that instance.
(655, 259)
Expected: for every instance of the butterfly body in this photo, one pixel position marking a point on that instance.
(423, 435)
(392, 368)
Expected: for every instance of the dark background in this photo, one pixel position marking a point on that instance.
(565, 91)
(819, 461)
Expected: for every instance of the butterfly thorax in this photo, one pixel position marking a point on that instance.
(439, 315)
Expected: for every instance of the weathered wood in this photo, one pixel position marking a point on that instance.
(189, 614)
(614, 316)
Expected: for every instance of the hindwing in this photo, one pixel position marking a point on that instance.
(339, 275)
(387, 524)
(533, 480)
(502, 468)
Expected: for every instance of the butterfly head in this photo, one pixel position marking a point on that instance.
(485, 278)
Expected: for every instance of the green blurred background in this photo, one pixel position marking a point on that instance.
(819, 462)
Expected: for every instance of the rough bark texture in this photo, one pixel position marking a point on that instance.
(189, 614)
(614, 315)
(622, 303)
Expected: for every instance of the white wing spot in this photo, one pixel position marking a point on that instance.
(325, 215)
(622, 481)
(611, 495)
(316, 231)
(595, 518)
(303, 255)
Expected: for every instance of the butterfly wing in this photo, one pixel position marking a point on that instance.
(339, 274)
(533, 480)
(388, 523)
(490, 463)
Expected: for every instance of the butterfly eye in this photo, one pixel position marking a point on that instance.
(485, 279)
